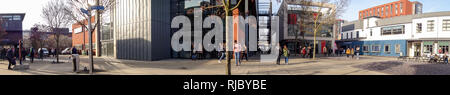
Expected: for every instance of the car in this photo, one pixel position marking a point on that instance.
(45, 51)
(66, 51)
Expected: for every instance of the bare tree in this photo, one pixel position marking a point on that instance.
(79, 17)
(56, 16)
(37, 35)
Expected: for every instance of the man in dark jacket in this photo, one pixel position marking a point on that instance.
(11, 55)
(3, 53)
(32, 52)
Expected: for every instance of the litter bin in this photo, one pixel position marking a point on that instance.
(76, 62)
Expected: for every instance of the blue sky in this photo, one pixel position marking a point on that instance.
(355, 6)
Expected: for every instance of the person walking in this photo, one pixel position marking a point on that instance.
(41, 54)
(445, 59)
(325, 51)
(244, 53)
(31, 55)
(352, 52)
(221, 50)
(286, 54)
(3, 53)
(24, 54)
(237, 53)
(304, 52)
(280, 52)
(308, 51)
(11, 55)
(194, 53)
(357, 52)
(348, 52)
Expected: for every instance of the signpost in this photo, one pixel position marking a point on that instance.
(88, 13)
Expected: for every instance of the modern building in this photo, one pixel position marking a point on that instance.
(141, 29)
(12, 24)
(410, 35)
(393, 9)
(295, 30)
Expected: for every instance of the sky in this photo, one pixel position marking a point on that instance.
(33, 8)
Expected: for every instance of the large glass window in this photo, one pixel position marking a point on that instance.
(392, 30)
(446, 25)
(430, 25)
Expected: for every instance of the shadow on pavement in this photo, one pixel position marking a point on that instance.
(431, 69)
(379, 66)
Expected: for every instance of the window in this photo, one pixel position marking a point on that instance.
(357, 34)
(428, 48)
(382, 11)
(365, 48)
(387, 49)
(419, 27)
(392, 9)
(446, 25)
(371, 32)
(401, 7)
(396, 9)
(351, 35)
(392, 30)
(443, 49)
(430, 25)
(17, 17)
(375, 48)
(347, 35)
(397, 48)
(387, 10)
(7, 17)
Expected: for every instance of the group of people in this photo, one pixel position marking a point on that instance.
(13, 54)
(240, 52)
(351, 52)
(307, 52)
(283, 53)
(435, 58)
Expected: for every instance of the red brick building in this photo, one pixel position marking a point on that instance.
(393, 9)
(80, 36)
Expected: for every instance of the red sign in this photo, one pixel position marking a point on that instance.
(292, 19)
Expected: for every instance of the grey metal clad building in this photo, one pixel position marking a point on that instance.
(142, 29)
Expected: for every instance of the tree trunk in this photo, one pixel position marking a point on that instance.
(228, 52)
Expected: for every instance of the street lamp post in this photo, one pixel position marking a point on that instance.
(88, 13)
